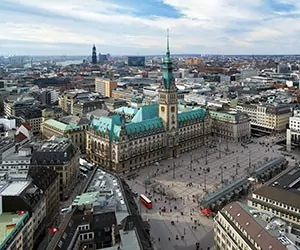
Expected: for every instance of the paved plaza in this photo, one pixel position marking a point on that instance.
(175, 185)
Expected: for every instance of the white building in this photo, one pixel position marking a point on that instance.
(293, 131)
(237, 226)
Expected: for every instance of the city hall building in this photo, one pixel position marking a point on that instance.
(156, 131)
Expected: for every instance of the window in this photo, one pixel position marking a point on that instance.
(162, 109)
(173, 109)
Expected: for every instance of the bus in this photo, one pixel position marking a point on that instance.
(146, 201)
(83, 170)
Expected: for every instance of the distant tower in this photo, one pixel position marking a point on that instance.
(94, 55)
(168, 105)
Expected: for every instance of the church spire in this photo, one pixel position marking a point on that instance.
(167, 68)
(168, 44)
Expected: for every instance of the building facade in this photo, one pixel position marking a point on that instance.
(105, 86)
(230, 125)
(237, 226)
(156, 131)
(19, 232)
(280, 196)
(293, 131)
(77, 133)
(267, 118)
(61, 155)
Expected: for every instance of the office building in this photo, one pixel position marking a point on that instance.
(293, 131)
(105, 86)
(237, 226)
(102, 58)
(136, 61)
(18, 230)
(61, 155)
(156, 131)
(19, 195)
(48, 181)
(280, 196)
(16, 107)
(33, 117)
(76, 101)
(266, 118)
(230, 125)
(105, 216)
(191, 61)
(74, 131)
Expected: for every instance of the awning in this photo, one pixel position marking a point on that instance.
(206, 211)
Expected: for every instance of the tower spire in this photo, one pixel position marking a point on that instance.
(168, 43)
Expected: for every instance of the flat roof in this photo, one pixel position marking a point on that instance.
(15, 188)
(289, 181)
(7, 219)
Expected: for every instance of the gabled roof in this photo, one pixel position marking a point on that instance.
(145, 113)
(150, 125)
(191, 115)
(26, 125)
(112, 125)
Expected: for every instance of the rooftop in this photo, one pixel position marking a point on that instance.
(284, 188)
(15, 188)
(8, 224)
(261, 226)
(107, 200)
(60, 125)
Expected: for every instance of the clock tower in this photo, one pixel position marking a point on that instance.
(168, 102)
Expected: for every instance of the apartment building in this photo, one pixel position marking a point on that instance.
(238, 227)
(267, 118)
(281, 196)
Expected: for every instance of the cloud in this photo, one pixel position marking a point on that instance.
(131, 27)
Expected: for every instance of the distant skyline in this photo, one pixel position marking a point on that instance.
(138, 27)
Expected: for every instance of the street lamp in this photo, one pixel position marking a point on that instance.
(219, 148)
(236, 166)
(173, 170)
(205, 171)
(222, 180)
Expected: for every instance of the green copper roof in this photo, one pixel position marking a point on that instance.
(145, 113)
(126, 111)
(149, 126)
(191, 115)
(60, 125)
(112, 125)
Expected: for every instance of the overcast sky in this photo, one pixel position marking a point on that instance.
(138, 27)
